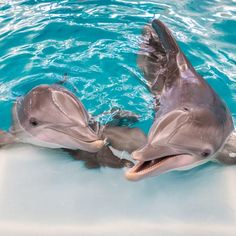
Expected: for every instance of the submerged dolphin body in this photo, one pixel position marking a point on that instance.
(51, 116)
(192, 125)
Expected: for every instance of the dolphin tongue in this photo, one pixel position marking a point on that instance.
(148, 164)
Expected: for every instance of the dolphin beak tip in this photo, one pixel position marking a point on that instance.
(99, 144)
(129, 176)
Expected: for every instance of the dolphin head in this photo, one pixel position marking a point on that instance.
(181, 139)
(51, 116)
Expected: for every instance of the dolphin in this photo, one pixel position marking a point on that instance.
(120, 143)
(192, 124)
(51, 116)
(6, 138)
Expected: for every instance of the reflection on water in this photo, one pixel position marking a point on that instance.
(95, 43)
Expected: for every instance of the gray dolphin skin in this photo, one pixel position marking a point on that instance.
(6, 138)
(103, 158)
(51, 116)
(192, 125)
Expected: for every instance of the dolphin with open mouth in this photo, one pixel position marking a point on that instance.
(192, 124)
(51, 116)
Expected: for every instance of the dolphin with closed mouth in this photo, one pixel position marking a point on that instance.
(51, 116)
(192, 124)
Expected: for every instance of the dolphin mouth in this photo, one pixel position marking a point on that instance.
(159, 166)
(143, 168)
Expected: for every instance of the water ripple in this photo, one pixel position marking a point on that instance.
(96, 43)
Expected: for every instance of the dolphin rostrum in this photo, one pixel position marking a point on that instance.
(192, 125)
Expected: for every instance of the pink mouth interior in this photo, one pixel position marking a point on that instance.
(148, 165)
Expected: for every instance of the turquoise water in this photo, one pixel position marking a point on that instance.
(95, 43)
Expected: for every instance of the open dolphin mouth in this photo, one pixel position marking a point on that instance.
(143, 168)
(147, 166)
(161, 165)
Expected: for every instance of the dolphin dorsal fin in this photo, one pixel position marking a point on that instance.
(160, 57)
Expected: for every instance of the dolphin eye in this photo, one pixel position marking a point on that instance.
(206, 153)
(185, 108)
(33, 121)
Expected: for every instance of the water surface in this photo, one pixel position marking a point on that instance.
(96, 43)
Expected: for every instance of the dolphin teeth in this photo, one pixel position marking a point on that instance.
(148, 166)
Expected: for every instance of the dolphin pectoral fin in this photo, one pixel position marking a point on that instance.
(6, 138)
(227, 154)
(160, 57)
(166, 39)
(152, 59)
(162, 165)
